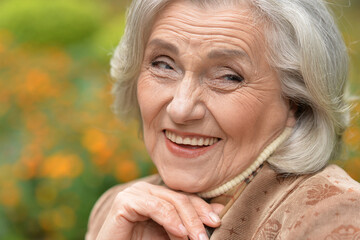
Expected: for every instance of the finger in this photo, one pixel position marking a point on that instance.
(185, 209)
(217, 207)
(206, 212)
(173, 237)
(160, 211)
(128, 209)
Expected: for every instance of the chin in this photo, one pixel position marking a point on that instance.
(183, 183)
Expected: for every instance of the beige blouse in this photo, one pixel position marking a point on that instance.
(325, 205)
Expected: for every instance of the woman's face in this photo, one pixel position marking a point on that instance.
(209, 100)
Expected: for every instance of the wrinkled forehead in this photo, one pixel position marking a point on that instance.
(210, 9)
(204, 25)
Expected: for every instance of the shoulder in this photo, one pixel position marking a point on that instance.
(102, 206)
(325, 204)
(331, 186)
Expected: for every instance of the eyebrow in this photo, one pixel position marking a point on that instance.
(216, 53)
(221, 53)
(164, 44)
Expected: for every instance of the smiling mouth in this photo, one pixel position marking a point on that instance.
(190, 142)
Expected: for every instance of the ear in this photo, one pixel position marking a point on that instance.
(291, 120)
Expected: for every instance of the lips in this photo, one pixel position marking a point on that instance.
(188, 145)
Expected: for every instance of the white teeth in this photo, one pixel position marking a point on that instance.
(179, 140)
(187, 141)
(200, 141)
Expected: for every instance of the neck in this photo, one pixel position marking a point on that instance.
(264, 155)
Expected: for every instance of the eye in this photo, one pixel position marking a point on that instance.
(163, 67)
(224, 79)
(161, 64)
(233, 77)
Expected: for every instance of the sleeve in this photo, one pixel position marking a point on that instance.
(103, 205)
(337, 217)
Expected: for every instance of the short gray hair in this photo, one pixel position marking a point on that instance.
(305, 47)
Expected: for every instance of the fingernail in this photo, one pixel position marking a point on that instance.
(183, 229)
(203, 236)
(214, 217)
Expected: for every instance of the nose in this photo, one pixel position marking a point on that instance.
(186, 105)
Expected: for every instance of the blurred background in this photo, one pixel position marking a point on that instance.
(61, 146)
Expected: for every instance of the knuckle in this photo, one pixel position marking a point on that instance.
(120, 198)
(167, 208)
(168, 213)
(120, 216)
(121, 208)
(151, 204)
(195, 223)
(181, 198)
(121, 203)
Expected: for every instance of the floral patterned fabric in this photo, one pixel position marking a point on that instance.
(325, 205)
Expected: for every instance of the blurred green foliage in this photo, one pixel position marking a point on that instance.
(60, 145)
(50, 22)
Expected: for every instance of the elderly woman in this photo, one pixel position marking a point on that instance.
(242, 106)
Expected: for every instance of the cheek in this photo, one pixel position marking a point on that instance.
(245, 114)
(152, 98)
(235, 111)
(148, 95)
(147, 110)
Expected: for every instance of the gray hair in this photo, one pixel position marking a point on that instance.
(305, 47)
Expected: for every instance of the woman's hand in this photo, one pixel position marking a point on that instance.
(146, 211)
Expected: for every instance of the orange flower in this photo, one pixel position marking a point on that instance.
(35, 121)
(102, 157)
(62, 166)
(28, 165)
(62, 217)
(36, 86)
(59, 61)
(25, 170)
(37, 82)
(94, 140)
(9, 194)
(126, 170)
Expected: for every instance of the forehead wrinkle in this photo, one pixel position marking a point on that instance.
(243, 10)
(210, 31)
(209, 16)
(212, 23)
(183, 33)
